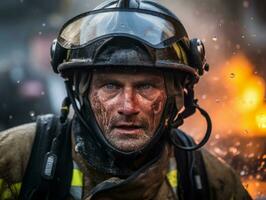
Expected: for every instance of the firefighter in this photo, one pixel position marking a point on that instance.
(129, 69)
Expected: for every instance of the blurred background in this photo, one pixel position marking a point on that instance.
(233, 92)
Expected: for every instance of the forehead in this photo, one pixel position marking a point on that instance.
(129, 75)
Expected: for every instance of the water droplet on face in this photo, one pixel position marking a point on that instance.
(18, 81)
(44, 24)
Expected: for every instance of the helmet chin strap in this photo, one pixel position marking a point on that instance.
(190, 108)
(75, 107)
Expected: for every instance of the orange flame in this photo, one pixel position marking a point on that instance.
(261, 121)
(247, 92)
(255, 188)
(239, 106)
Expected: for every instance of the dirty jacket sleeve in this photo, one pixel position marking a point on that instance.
(224, 183)
(15, 150)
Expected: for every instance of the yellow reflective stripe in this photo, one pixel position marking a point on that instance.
(172, 178)
(180, 53)
(184, 55)
(8, 193)
(77, 178)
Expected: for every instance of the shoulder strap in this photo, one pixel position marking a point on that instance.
(192, 172)
(35, 184)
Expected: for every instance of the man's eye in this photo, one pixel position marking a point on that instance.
(145, 86)
(110, 86)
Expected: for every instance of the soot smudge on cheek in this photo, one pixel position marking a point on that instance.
(100, 112)
(157, 105)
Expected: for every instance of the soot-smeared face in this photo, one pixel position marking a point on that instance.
(128, 106)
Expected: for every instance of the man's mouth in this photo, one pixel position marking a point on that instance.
(128, 128)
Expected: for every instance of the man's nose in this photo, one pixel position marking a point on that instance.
(129, 105)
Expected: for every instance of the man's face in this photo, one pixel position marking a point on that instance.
(128, 106)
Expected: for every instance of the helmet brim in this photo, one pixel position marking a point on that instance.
(66, 69)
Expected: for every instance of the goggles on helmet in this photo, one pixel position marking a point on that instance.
(153, 28)
(160, 34)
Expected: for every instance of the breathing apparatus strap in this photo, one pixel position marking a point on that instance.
(192, 171)
(49, 171)
(72, 100)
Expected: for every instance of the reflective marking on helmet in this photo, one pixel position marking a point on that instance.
(180, 53)
(9, 191)
(184, 55)
(177, 50)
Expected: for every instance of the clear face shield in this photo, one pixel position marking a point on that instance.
(151, 28)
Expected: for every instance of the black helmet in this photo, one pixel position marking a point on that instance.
(126, 33)
(161, 34)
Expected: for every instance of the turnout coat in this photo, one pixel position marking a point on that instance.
(159, 181)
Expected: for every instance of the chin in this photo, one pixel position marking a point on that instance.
(129, 145)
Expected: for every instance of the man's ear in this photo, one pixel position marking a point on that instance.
(173, 83)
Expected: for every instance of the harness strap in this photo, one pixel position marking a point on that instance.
(34, 185)
(193, 176)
